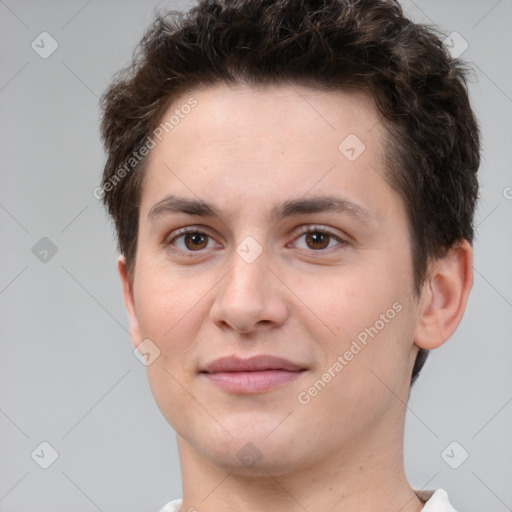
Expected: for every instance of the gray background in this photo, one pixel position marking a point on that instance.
(67, 372)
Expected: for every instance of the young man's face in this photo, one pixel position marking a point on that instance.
(330, 291)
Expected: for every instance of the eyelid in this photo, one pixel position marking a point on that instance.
(185, 230)
(304, 229)
(308, 228)
(315, 228)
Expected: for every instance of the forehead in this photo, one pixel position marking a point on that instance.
(277, 113)
(240, 144)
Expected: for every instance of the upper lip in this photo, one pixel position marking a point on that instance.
(252, 364)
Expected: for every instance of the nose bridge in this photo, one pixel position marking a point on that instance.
(248, 263)
(247, 296)
(247, 277)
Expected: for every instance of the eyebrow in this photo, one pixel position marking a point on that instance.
(174, 204)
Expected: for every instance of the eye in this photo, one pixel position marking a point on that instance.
(318, 239)
(193, 240)
(190, 239)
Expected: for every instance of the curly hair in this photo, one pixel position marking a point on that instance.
(352, 45)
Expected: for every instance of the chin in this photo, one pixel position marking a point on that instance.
(254, 460)
(253, 454)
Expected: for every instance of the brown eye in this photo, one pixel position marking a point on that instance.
(317, 240)
(189, 240)
(195, 241)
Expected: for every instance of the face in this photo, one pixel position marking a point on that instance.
(281, 303)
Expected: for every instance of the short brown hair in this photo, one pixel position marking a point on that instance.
(364, 45)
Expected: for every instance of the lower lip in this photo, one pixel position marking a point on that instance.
(252, 382)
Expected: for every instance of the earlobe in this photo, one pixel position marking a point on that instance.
(444, 296)
(129, 301)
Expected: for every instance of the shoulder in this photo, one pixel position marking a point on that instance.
(435, 501)
(172, 506)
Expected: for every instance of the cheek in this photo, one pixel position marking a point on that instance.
(170, 312)
(164, 298)
(365, 371)
(363, 316)
(349, 299)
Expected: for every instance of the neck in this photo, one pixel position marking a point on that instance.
(368, 476)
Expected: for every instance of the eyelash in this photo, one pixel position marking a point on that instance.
(303, 230)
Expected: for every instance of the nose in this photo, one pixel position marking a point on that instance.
(249, 297)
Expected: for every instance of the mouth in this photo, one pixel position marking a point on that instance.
(254, 375)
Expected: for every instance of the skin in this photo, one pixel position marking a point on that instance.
(246, 150)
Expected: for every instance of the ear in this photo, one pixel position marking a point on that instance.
(444, 296)
(129, 302)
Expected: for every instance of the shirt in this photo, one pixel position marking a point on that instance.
(435, 501)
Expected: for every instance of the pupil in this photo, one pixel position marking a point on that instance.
(196, 239)
(317, 239)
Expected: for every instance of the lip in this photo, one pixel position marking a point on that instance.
(254, 375)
